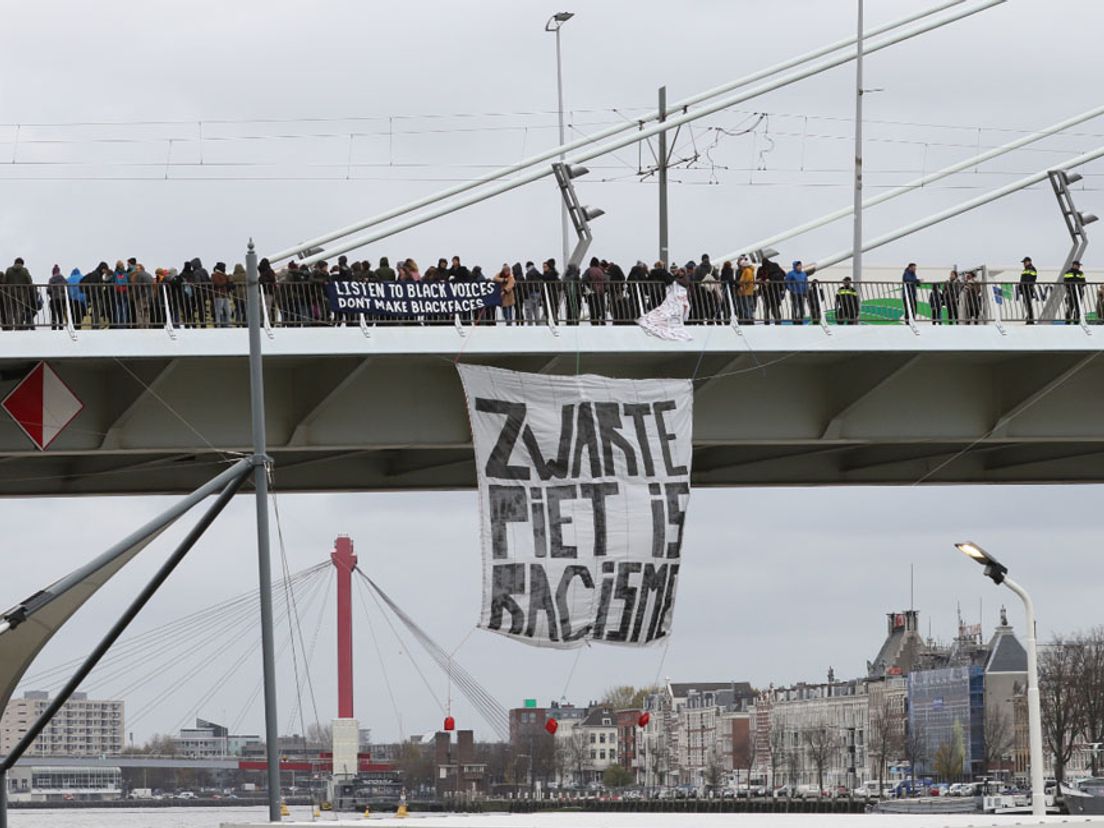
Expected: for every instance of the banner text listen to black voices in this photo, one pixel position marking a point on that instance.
(411, 299)
(584, 483)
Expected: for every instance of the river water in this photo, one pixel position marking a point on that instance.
(197, 817)
(201, 817)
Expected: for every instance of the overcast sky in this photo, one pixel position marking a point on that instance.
(167, 130)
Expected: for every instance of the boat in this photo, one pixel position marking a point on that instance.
(1086, 798)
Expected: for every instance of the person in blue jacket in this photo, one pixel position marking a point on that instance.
(797, 283)
(78, 305)
(908, 292)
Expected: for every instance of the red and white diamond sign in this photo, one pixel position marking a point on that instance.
(42, 405)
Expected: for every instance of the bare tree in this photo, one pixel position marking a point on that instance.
(998, 735)
(319, 736)
(627, 697)
(714, 770)
(1091, 686)
(1062, 700)
(885, 734)
(948, 761)
(821, 744)
(577, 755)
(417, 765)
(792, 757)
(746, 755)
(777, 747)
(660, 758)
(917, 750)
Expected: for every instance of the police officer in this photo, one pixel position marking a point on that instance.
(1074, 280)
(847, 303)
(1026, 289)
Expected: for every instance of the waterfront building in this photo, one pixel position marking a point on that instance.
(818, 732)
(208, 740)
(599, 734)
(457, 774)
(83, 726)
(704, 752)
(947, 714)
(966, 709)
(59, 784)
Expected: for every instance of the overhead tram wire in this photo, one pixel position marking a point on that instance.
(653, 115)
(603, 149)
(938, 175)
(966, 206)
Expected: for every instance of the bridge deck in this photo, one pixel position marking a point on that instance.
(774, 405)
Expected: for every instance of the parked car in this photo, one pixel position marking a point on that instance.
(808, 792)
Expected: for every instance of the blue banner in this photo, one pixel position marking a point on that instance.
(411, 298)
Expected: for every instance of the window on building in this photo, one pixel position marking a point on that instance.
(601, 754)
(602, 738)
(594, 754)
(592, 739)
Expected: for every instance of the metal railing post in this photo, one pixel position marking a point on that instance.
(553, 325)
(734, 307)
(169, 329)
(992, 307)
(264, 312)
(68, 315)
(822, 306)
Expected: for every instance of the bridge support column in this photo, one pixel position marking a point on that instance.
(344, 561)
(346, 729)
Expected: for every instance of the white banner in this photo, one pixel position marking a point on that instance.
(583, 487)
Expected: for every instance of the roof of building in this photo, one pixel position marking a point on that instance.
(1007, 654)
(597, 714)
(683, 689)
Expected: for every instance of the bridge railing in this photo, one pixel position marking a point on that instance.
(91, 307)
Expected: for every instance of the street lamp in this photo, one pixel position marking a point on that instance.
(580, 215)
(998, 573)
(554, 24)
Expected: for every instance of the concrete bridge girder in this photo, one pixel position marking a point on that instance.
(772, 406)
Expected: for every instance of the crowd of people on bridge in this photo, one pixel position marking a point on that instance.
(132, 295)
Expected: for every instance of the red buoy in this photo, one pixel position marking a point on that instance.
(551, 725)
(450, 723)
(645, 717)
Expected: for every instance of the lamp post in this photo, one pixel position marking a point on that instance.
(554, 24)
(997, 572)
(857, 254)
